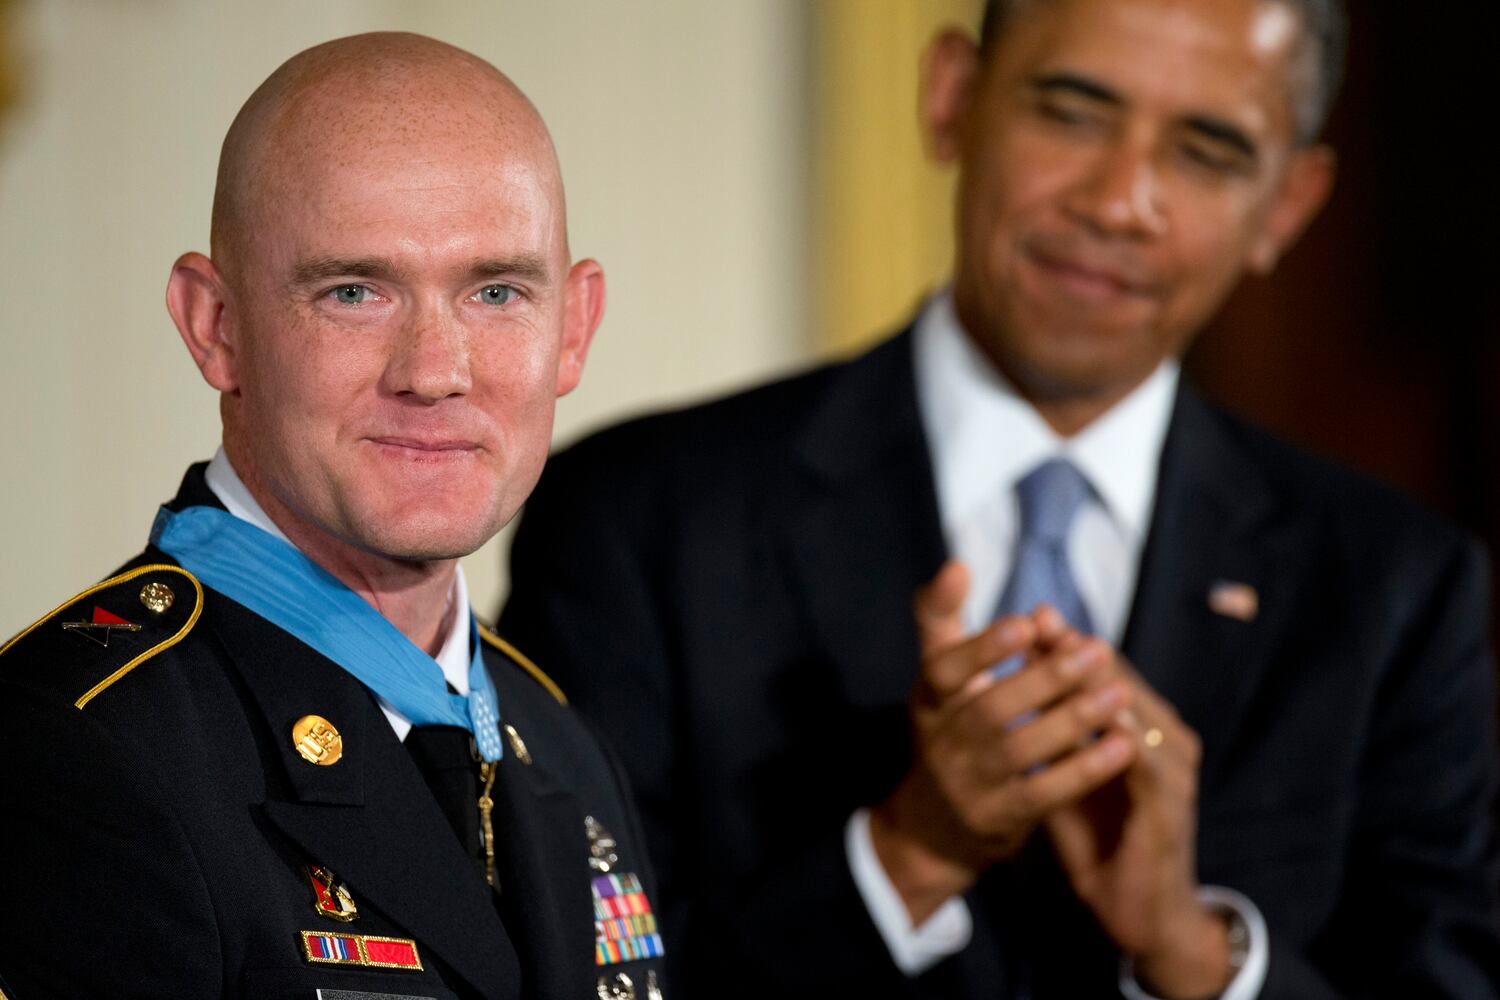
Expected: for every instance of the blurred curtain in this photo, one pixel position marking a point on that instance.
(8, 75)
(1376, 340)
(881, 212)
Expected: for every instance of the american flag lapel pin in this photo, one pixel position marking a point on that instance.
(1233, 599)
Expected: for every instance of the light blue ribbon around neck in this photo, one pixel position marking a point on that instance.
(276, 581)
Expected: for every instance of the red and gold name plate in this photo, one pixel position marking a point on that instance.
(365, 950)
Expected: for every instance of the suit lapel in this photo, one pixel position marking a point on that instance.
(865, 530)
(383, 834)
(1214, 524)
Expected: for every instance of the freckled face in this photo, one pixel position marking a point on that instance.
(400, 309)
(1122, 163)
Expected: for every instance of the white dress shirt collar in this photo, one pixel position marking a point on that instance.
(454, 655)
(984, 437)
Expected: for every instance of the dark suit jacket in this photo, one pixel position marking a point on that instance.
(153, 843)
(729, 589)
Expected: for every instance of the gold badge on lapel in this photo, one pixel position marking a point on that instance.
(331, 898)
(317, 740)
(157, 597)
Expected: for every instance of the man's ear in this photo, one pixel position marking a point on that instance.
(199, 303)
(950, 74)
(583, 308)
(1303, 191)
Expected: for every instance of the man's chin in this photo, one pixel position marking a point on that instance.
(422, 551)
(425, 536)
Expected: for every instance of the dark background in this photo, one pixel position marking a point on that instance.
(1375, 341)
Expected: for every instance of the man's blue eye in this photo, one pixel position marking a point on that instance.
(350, 295)
(496, 295)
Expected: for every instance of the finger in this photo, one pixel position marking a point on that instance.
(1072, 833)
(985, 708)
(962, 669)
(1169, 750)
(1051, 626)
(1161, 730)
(1155, 709)
(1150, 708)
(1163, 791)
(1058, 636)
(937, 608)
(1053, 734)
(1016, 635)
(1145, 770)
(1150, 696)
(1058, 643)
(1071, 778)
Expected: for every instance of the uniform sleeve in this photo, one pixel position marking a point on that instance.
(101, 895)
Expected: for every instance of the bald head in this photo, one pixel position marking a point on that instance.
(365, 97)
(390, 311)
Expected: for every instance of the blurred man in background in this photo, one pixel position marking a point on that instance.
(1249, 749)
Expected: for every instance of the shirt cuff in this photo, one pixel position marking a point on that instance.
(1246, 983)
(913, 949)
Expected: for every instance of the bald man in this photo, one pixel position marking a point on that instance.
(275, 755)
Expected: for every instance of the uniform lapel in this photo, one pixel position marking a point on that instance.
(864, 530)
(1214, 525)
(370, 817)
(539, 833)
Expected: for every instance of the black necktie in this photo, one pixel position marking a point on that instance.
(443, 756)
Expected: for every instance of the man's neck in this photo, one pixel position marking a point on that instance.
(1066, 409)
(1068, 415)
(414, 596)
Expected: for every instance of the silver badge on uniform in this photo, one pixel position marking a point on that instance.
(602, 856)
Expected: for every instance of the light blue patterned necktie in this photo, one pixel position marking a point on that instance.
(1050, 496)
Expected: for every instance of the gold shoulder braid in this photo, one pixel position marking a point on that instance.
(521, 660)
(139, 602)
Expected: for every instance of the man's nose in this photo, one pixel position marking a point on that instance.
(430, 360)
(1121, 194)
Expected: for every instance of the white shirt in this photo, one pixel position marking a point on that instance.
(983, 439)
(453, 657)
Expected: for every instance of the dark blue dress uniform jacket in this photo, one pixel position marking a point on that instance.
(730, 586)
(153, 843)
